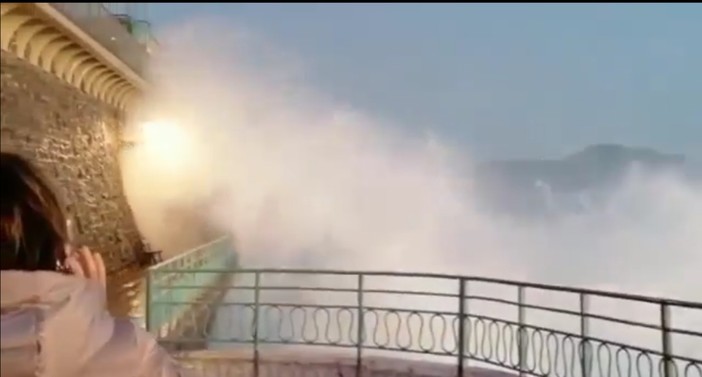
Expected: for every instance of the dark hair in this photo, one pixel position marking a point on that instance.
(33, 229)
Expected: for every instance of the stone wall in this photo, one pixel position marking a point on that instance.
(73, 138)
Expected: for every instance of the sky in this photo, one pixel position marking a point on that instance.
(503, 80)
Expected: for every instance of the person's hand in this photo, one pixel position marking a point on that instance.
(87, 264)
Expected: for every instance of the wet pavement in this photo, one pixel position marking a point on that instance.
(125, 293)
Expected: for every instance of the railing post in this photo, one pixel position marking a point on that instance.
(148, 313)
(257, 293)
(468, 329)
(361, 328)
(521, 333)
(461, 326)
(667, 344)
(585, 355)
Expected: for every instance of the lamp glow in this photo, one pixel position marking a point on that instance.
(166, 142)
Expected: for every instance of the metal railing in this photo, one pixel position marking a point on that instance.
(103, 26)
(217, 255)
(531, 329)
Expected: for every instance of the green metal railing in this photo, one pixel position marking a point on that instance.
(130, 46)
(521, 327)
(217, 256)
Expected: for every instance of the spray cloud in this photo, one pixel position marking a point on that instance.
(302, 181)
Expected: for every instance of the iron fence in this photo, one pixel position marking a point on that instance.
(527, 328)
(217, 255)
(131, 47)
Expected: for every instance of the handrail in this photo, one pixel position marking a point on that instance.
(460, 326)
(551, 287)
(215, 255)
(187, 254)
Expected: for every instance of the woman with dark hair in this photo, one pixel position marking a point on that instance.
(54, 317)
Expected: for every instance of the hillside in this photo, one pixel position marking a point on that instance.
(522, 186)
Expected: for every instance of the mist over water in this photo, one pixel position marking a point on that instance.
(303, 181)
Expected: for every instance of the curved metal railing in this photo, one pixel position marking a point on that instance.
(528, 328)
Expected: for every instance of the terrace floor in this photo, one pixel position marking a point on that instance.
(321, 362)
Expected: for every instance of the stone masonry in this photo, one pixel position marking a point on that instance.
(74, 139)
